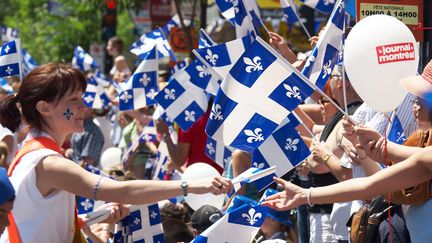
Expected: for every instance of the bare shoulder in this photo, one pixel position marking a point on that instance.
(56, 163)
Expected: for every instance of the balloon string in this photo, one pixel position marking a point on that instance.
(388, 194)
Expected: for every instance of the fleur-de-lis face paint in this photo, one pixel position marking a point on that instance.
(68, 114)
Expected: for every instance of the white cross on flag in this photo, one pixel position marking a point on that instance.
(258, 94)
(10, 63)
(150, 40)
(219, 153)
(95, 96)
(141, 88)
(324, 6)
(82, 60)
(328, 50)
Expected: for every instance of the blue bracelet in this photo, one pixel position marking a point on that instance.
(96, 188)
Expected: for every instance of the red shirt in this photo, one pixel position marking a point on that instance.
(197, 138)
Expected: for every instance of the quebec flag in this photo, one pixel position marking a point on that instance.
(95, 96)
(6, 86)
(324, 6)
(8, 34)
(182, 100)
(82, 60)
(284, 149)
(141, 88)
(290, 11)
(148, 41)
(28, 63)
(397, 134)
(240, 224)
(217, 152)
(101, 79)
(205, 40)
(203, 76)
(328, 49)
(174, 22)
(227, 10)
(10, 62)
(223, 56)
(162, 159)
(260, 177)
(257, 95)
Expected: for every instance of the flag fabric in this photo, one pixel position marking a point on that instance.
(205, 40)
(290, 11)
(203, 76)
(174, 22)
(182, 100)
(10, 54)
(243, 21)
(141, 88)
(223, 56)
(284, 148)
(6, 86)
(397, 134)
(142, 225)
(101, 79)
(148, 41)
(257, 95)
(82, 60)
(8, 34)
(95, 96)
(328, 49)
(227, 10)
(324, 6)
(148, 134)
(28, 63)
(260, 177)
(240, 224)
(162, 158)
(217, 152)
(179, 66)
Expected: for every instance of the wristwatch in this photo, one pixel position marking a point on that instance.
(184, 187)
(326, 158)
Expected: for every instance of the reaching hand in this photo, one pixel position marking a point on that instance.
(366, 136)
(216, 185)
(117, 212)
(279, 44)
(292, 197)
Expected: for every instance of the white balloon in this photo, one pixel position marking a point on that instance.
(111, 158)
(379, 51)
(198, 171)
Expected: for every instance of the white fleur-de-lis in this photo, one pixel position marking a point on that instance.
(253, 65)
(341, 54)
(291, 144)
(125, 96)
(327, 69)
(144, 79)
(401, 137)
(254, 136)
(203, 71)
(169, 94)
(146, 137)
(163, 168)
(216, 113)
(157, 33)
(190, 116)
(153, 215)
(292, 92)
(137, 221)
(88, 99)
(7, 48)
(87, 204)
(211, 148)
(9, 70)
(327, 2)
(252, 216)
(259, 166)
(81, 55)
(227, 160)
(151, 94)
(211, 57)
(309, 61)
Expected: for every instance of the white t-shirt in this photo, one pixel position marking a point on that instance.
(6, 132)
(39, 218)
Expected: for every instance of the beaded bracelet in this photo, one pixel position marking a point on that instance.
(309, 197)
(96, 188)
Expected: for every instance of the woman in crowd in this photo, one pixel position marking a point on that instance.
(50, 102)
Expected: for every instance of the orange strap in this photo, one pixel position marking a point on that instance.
(32, 145)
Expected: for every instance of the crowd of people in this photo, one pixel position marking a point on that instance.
(48, 136)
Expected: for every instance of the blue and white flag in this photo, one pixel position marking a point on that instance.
(219, 153)
(205, 40)
(240, 224)
(162, 159)
(284, 148)
(182, 100)
(6, 86)
(397, 134)
(179, 66)
(142, 225)
(227, 10)
(290, 11)
(148, 134)
(257, 95)
(8, 34)
(203, 76)
(148, 41)
(260, 177)
(95, 96)
(243, 21)
(328, 49)
(10, 54)
(28, 63)
(141, 88)
(324, 6)
(223, 56)
(82, 60)
(174, 22)
(101, 79)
